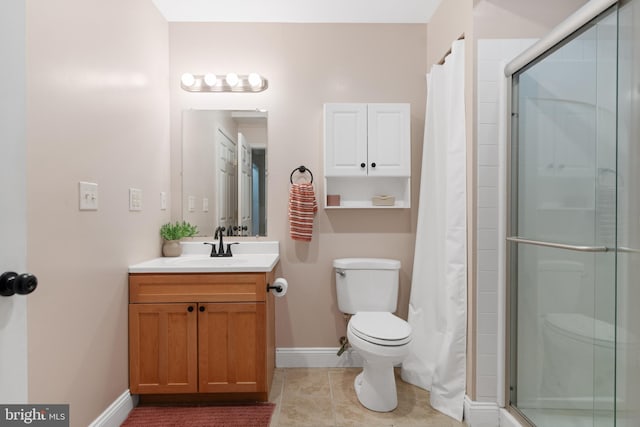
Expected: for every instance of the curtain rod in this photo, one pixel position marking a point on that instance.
(576, 20)
(448, 52)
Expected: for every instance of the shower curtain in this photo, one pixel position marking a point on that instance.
(438, 302)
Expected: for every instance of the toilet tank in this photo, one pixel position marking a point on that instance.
(367, 284)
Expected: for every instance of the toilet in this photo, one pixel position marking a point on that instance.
(367, 288)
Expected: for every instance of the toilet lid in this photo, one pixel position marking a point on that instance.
(380, 328)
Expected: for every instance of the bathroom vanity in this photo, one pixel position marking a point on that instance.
(202, 329)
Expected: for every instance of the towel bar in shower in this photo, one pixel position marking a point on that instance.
(578, 248)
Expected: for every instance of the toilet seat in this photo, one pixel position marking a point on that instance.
(380, 328)
(589, 330)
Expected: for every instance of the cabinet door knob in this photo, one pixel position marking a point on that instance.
(373, 165)
(201, 308)
(362, 165)
(190, 308)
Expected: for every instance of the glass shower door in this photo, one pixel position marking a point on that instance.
(628, 215)
(562, 273)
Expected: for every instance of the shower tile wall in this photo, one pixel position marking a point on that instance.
(492, 55)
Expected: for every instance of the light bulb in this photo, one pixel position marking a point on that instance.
(210, 79)
(188, 79)
(233, 79)
(255, 80)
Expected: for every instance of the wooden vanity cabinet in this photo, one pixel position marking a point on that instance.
(201, 335)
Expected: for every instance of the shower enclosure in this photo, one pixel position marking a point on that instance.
(574, 227)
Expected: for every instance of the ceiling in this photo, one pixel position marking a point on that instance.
(301, 11)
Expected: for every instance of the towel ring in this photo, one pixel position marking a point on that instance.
(301, 169)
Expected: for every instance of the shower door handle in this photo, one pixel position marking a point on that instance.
(628, 250)
(578, 248)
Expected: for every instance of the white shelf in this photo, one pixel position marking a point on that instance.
(364, 205)
(356, 193)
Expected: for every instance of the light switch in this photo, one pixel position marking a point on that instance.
(88, 196)
(163, 201)
(135, 199)
(205, 204)
(192, 204)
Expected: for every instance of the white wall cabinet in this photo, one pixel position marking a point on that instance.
(367, 153)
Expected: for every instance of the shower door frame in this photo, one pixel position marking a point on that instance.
(562, 35)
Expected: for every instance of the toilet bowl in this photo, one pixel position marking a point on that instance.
(382, 340)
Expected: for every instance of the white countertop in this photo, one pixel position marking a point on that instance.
(259, 256)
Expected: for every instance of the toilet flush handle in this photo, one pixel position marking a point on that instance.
(341, 272)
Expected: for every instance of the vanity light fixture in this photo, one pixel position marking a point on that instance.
(254, 80)
(231, 82)
(210, 79)
(232, 79)
(188, 79)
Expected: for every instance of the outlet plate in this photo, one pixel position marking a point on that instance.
(135, 199)
(88, 196)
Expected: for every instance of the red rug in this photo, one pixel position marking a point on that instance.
(200, 416)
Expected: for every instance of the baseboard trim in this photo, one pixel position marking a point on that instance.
(316, 357)
(117, 412)
(481, 414)
(508, 420)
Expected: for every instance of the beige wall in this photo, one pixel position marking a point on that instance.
(308, 65)
(521, 18)
(97, 110)
(450, 21)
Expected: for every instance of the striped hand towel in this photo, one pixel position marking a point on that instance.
(302, 208)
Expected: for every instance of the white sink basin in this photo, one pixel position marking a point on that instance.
(194, 260)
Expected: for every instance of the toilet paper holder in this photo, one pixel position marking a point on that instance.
(279, 287)
(276, 288)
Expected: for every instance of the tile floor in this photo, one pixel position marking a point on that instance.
(318, 397)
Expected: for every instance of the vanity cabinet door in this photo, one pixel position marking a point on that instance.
(163, 348)
(232, 340)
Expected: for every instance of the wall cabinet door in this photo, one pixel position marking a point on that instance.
(232, 340)
(163, 348)
(367, 140)
(345, 136)
(388, 143)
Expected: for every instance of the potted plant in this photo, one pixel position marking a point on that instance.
(172, 233)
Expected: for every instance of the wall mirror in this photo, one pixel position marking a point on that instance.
(224, 170)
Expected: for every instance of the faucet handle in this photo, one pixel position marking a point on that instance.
(229, 247)
(213, 248)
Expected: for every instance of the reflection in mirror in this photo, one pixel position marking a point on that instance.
(224, 171)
